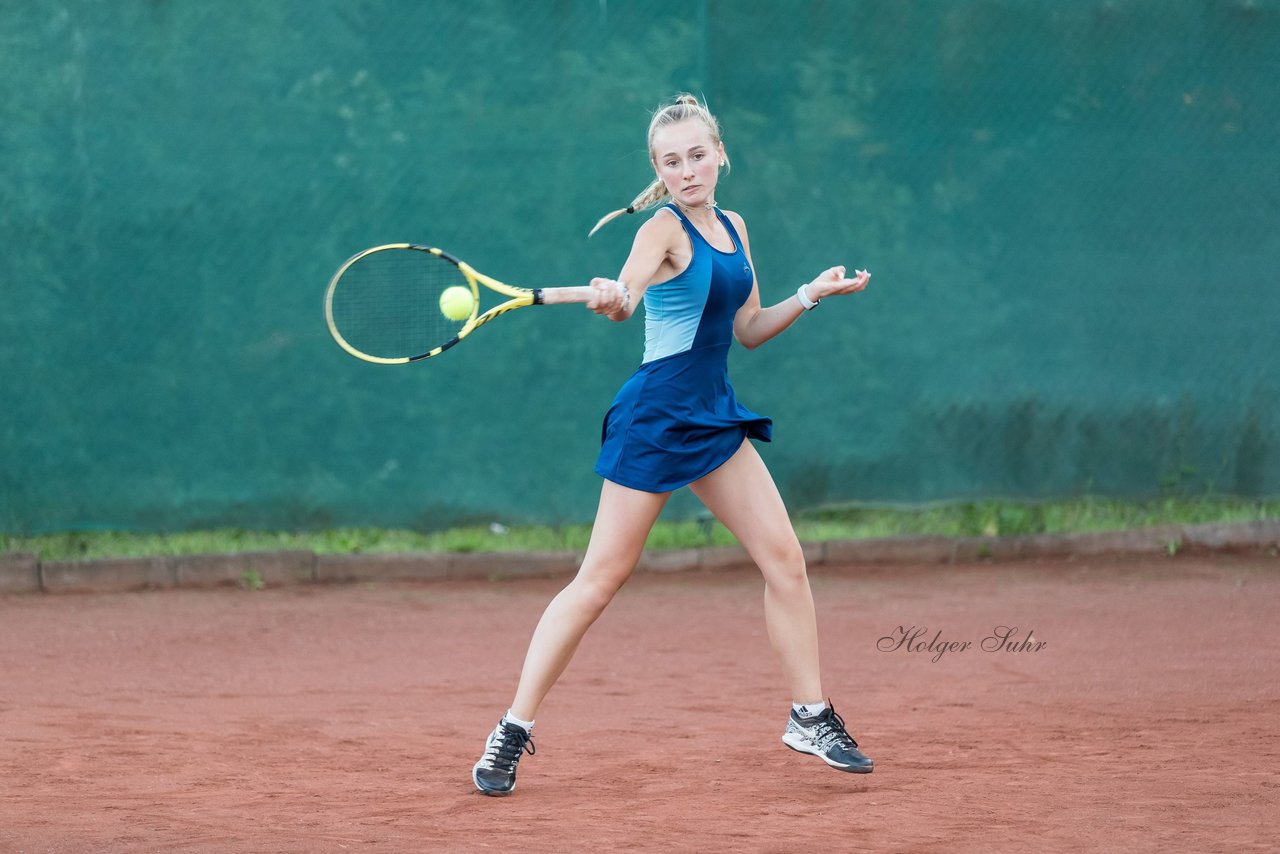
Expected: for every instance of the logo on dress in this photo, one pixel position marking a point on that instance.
(746, 270)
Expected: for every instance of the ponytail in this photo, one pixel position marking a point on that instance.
(650, 196)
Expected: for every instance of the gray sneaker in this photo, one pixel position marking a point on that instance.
(824, 736)
(495, 773)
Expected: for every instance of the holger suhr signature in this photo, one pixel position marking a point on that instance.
(916, 639)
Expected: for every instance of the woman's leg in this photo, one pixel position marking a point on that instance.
(742, 495)
(622, 524)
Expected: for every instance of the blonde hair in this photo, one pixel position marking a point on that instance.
(685, 106)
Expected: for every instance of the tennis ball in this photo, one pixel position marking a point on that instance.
(456, 302)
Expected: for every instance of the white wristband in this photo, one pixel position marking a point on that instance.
(806, 303)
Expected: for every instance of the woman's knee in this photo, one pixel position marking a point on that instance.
(595, 589)
(784, 567)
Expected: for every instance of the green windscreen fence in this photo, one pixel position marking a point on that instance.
(1071, 212)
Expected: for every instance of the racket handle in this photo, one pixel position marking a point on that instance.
(561, 296)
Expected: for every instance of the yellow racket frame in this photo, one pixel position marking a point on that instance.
(519, 298)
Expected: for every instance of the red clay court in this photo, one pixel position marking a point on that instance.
(347, 717)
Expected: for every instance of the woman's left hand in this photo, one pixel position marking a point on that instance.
(833, 282)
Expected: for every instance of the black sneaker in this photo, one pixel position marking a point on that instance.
(495, 773)
(824, 736)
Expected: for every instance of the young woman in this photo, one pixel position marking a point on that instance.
(676, 423)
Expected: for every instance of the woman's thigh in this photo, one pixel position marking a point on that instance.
(742, 495)
(622, 524)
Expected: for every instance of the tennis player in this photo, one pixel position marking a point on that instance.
(676, 423)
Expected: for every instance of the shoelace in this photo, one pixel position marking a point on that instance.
(507, 747)
(830, 730)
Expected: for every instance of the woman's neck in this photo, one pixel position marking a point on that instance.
(699, 214)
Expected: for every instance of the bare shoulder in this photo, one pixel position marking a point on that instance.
(661, 228)
(663, 218)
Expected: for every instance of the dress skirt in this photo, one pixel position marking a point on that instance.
(675, 420)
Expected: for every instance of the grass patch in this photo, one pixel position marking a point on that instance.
(963, 519)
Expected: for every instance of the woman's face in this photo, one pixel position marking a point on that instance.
(687, 161)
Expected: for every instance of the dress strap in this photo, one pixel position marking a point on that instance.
(693, 230)
(684, 220)
(733, 232)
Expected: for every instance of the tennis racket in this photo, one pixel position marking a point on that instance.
(384, 305)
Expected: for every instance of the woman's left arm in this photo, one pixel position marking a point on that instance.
(753, 325)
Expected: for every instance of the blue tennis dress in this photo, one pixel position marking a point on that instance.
(676, 419)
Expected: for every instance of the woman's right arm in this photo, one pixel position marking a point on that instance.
(649, 250)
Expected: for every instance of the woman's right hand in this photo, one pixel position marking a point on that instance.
(610, 298)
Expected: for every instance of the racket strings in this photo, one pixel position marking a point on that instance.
(387, 304)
